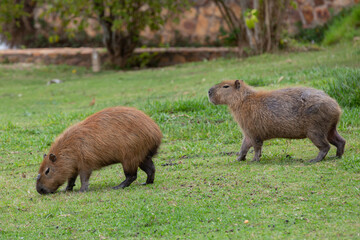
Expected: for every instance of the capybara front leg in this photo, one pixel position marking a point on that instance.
(130, 177)
(338, 141)
(71, 183)
(84, 177)
(148, 167)
(257, 149)
(245, 146)
(322, 144)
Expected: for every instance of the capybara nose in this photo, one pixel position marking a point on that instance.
(41, 190)
(210, 91)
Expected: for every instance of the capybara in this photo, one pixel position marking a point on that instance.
(114, 135)
(293, 113)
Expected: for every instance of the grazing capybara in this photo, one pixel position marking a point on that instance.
(114, 135)
(293, 113)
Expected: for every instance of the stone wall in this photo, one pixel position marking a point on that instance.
(317, 12)
(202, 22)
(82, 56)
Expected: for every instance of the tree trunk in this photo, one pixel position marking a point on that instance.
(119, 44)
(121, 49)
(250, 35)
(258, 30)
(236, 24)
(267, 25)
(21, 29)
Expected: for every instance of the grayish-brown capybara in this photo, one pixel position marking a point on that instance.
(293, 113)
(114, 135)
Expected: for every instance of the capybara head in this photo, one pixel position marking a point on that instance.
(49, 178)
(226, 92)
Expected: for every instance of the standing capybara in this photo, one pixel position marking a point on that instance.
(286, 113)
(114, 135)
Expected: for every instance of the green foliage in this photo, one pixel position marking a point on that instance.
(317, 34)
(14, 20)
(268, 17)
(182, 105)
(228, 38)
(251, 18)
(10, 11)
(352, 164)
(121, 21)
(142, 60)
(344, 29)
(200, 190)
(343, 84)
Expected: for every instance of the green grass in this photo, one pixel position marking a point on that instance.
(200, 191)
(345, 28)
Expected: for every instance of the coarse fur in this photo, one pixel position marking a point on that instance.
(114, 135)
(293, 113)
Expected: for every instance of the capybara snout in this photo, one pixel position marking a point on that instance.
(114, 135)
(292, 113)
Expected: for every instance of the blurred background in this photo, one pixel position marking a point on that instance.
(120, 27)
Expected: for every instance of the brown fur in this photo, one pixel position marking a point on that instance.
(114, 135)
(293, 113)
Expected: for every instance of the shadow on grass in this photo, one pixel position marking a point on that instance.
(289, 160)
(278, 160)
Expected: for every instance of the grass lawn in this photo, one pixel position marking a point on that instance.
(200, 190)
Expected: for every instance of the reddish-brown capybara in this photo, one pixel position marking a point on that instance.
(114, 135)
(293, 113)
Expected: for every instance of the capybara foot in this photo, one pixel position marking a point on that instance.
(129, 179)
(315, 160)
(255, 159)
(340, 150)
(84, 189)
(338, 141)
(120, 186)
(148, 167)
(146, 183)
(69, 189)
(71, 183)
(241, 158)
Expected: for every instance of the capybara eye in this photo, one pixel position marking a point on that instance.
(226, 86)
(47, 171)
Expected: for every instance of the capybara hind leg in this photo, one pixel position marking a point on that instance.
(321, 143)
(338, 141)
(148, 167)
(257, 149)
(130, 177)
(84, 178)
(71, 183)
(245, 146)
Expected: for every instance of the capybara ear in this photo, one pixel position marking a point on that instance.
(52, 157)
(237, 84)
